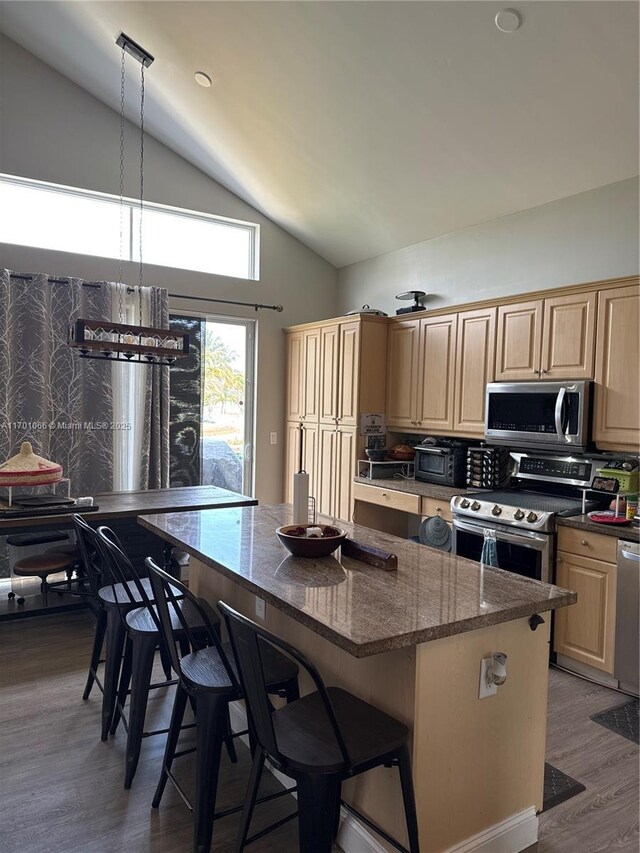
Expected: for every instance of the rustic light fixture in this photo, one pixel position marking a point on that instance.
(104, 339)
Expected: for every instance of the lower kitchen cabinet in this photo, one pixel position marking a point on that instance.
(292, 456)
(585, 631)
(337, 454)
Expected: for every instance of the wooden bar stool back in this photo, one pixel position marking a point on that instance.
(321, 740)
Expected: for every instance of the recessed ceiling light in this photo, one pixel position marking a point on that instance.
(202, 79)
(508, 20)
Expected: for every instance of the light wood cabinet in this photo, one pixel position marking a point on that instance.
(292, 461)
(303, 355)
(551, 338)
(585, 631)
(568, 336)
(617, 392)
(475, 366)
(402, 373)
(437, 372)
(344, 361)
(420, 373)
(518, 340)
(337, 454)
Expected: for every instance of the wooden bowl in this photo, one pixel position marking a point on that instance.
(303, 546)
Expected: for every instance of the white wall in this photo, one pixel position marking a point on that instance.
(587, 237)
(52, 130)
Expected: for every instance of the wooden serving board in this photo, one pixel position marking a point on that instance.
(368, 554)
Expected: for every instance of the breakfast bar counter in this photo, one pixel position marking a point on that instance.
(411, 642)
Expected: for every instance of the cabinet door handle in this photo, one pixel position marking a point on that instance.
(544, 371)
(384, 494)
(584, 542)
(438, 509)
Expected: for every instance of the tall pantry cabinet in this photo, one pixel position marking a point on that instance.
(336, 370)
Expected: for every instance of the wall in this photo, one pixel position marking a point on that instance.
(52, 130)
(587, 237)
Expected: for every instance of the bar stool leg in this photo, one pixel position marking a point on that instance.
(317, 798)
(44, 590)
(249, 801)
(101, 625)
(123, 686)
(142, 664)
(177, 716)
(115, 636)
(408, 795)
(210, 729)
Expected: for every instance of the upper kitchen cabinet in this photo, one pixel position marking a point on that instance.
(568, 336)
(302, 359)
(339, 369)
(437, 372)
(475, 366)
(617, 399)
(549, 338)
(519, 336)
(402, 373)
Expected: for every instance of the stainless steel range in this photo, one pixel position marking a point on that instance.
(521, 519)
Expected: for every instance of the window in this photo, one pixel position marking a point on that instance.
(49, 216)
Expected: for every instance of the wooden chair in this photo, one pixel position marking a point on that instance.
(326, 737)
(207, 674)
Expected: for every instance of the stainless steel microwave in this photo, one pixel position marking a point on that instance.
(549, 415)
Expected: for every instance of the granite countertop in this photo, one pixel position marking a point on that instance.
(629, 532)
(414, 487)
(361, 609)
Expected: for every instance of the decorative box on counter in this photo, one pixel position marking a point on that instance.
(385, 470)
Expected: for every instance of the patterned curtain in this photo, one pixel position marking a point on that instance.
(48, 395)
(154, 470)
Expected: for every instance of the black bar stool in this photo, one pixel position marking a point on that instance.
(116, 598)
(321, 740)
(143, 638)
(207, 674)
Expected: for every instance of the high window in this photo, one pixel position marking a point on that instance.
(51, 216)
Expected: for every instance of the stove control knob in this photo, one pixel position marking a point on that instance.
(464, 503)
(518, 515)
(496, 510)
(533, 516)
(475, 506)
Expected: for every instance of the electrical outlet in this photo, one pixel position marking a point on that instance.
(273, 438)
(261, 608)
(486, 689)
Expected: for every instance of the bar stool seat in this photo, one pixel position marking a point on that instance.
(307, 740)
(41, 566)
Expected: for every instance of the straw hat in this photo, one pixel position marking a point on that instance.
(27, 469)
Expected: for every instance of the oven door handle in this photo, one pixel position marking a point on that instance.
(502, 536)
(558, 413)
(431, 449)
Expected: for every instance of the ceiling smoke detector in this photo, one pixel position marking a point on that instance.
(508, 20)
(202, 79)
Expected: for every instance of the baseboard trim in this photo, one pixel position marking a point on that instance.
(512, 835)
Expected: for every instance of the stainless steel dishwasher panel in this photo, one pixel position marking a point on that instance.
(627, 653)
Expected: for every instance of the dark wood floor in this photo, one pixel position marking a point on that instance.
(61, 788)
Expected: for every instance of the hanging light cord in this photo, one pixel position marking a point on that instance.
(141, 164)
(122, 82)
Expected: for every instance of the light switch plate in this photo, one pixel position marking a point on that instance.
(261, 608)
(273, 438)
(486, 689)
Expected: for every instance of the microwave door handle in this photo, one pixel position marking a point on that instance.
(558, 413)
(430, 449)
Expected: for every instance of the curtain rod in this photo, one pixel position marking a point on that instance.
(255, 305)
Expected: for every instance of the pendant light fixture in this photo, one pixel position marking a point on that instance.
(103, 339)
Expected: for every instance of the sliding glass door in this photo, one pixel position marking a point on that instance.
(212, 393)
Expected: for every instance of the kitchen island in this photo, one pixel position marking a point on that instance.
(411, 642)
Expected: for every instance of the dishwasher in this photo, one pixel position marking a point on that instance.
(626, 662)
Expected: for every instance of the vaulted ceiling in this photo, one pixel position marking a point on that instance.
(361, 127)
